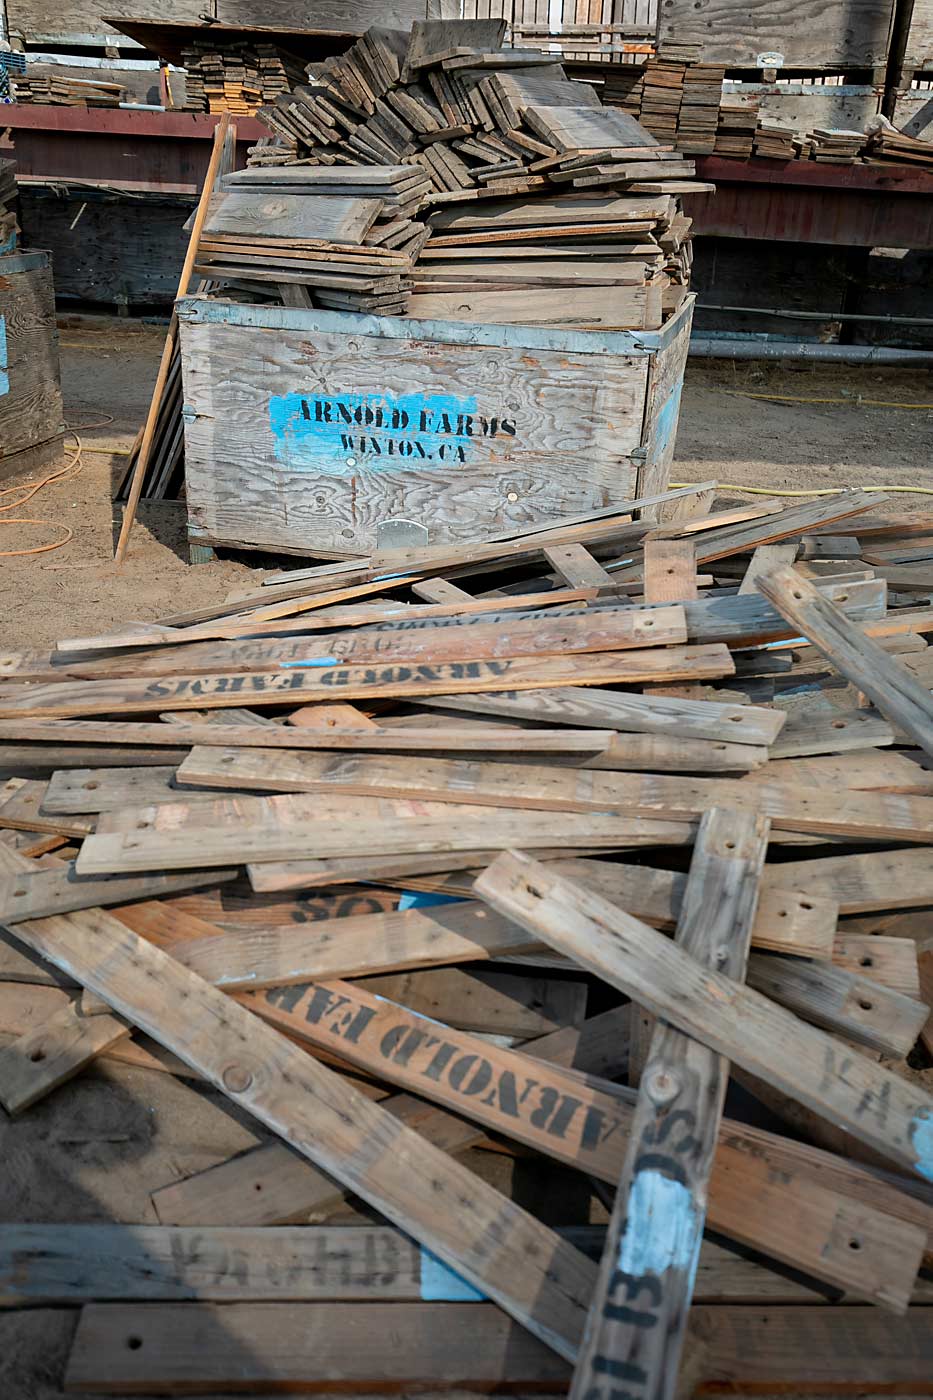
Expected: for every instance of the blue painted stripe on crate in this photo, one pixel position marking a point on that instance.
(439, 1284)
(340, 434)
(313, 661)
(4, 363)
(206, 311)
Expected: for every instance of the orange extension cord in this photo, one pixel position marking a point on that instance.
(65, 473)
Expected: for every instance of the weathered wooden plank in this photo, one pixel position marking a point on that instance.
(285, 687)
(816, 1350)
(491, 1003)
(302, 733)
(637, 1322)
(765, 558)
(890, 961)
(854, 1093)
(864, 1011)
(21, 810)
(283, 954)
(824, 728)
(860, 815)
(34, 894)
(285, 828)
(670, 571)
(88, 790)
(899, 696)
(581, 1122)
(42, 1059)
(472, 639)
(273, 1185)
(120, 1349)
(900, 879)
(639, 714)
(329, 1122)
(576, 566)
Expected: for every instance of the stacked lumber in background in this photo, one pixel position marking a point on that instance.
(237, 78)
(835, 144)
(9, 224)
(774, 141)
(888, 144)
(512, 185)
(646, 804)
(58, 91)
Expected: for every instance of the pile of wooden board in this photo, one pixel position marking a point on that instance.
(774, 141)
(344, 234)
(835, 144)
(888, 144)
(560, 192)
(9, 224)
(237, 78)
(58, 91)
(581, 771)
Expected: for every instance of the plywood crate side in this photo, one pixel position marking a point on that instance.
(322, 432)
(843, 33)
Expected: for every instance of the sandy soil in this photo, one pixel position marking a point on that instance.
(94, 1150)
(108, 369)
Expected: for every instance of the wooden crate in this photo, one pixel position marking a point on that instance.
(316, 432)
(836, 33)
(31, 424)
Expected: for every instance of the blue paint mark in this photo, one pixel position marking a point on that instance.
(4, 363)
(384, 578)
(338, 434)
(441, 1285)
(921, 1134)
(314, 661)
(666, 424)
(663, 1230)
(9, 246)
(420, 899)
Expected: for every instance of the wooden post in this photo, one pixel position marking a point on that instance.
(168, 349)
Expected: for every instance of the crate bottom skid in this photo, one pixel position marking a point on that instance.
(329, 433)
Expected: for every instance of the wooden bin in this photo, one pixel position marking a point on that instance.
(31, 426)
(331, 433)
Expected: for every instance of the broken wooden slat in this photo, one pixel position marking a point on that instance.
(35, 894)
(880, 1109)
(121, 1348)
(670, 571)
(576, 566)
(887, 683)
(55, 1052)
(638, 1318)
(327, 1120)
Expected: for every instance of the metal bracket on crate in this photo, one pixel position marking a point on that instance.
(769, 62)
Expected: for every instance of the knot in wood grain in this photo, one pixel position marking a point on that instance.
(236, 1078)
(661, 1086)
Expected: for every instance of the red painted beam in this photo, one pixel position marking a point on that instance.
(123, 121)
(884, 178)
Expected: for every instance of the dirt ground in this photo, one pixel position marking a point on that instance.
(94, 1150)
(108, 369)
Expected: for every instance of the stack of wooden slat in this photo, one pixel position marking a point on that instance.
(888, 145)
(698, 119)
(774, 141)
(344, 234)
(237, 78)
(580, 185)
(9, 224)
(582, 771)
(58, 91)
(835, 144)
(738, 122)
